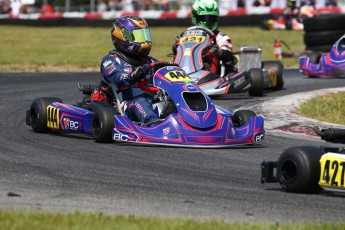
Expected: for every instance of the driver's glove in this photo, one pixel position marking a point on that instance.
(138, 74)
(227, 57)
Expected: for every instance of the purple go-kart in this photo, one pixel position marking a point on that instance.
(327, 64)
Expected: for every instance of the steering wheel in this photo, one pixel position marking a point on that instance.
(157, 65)
(201, 28)
(154, 66)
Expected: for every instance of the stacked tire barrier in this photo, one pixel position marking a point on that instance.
(321, 32)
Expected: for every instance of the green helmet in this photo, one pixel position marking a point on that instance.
(205, 13)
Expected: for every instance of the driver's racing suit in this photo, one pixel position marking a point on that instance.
(116, 68)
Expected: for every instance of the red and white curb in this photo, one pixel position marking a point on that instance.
(282, 116)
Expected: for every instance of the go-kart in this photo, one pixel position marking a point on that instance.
(327, 64)
(309, 169)
(188, 117)
(251, 74)
(280, 23)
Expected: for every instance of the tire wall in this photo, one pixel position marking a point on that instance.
(321, 32)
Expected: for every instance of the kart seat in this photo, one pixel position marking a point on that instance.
(168, 109)
(112, 93)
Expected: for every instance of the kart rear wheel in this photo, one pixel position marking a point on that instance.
(36, 116)
(279, 67)
(241, 117)
(102, 122)
(257, 82)
(298, 169)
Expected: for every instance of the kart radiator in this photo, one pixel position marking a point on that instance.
(249, 57)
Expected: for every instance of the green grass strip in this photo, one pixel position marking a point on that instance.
(329, 108)
(21, 220)
(70, 49)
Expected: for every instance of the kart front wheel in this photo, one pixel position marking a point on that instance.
(102, 122)
(257, 82)
(314, 57)
(298, 169)
(36, 116)
(241, 117)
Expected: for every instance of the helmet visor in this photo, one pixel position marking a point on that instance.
(141, 35)
(208, 20)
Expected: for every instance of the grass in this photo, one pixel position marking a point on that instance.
(328, 108)
(11, 220)
(59, 49)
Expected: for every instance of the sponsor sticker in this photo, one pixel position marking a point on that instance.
(69, 124)
(166, 130)
(259, 137)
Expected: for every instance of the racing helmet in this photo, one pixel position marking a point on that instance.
(205, 13)
(292, 3)
(131, 35)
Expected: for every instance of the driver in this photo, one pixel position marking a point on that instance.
(205, 13)
(123, 67)
(291, 11)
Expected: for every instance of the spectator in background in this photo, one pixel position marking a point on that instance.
(162, 5)
(127, 5)
(185, 4)
(15, 6)
(262, 2)
(101, 6)
(112, 5)
(47, 8)
(224, 5)
(241, 4)
(146, 5)
(307, 3)
(331, 3)
(291, 12)
(5, 7)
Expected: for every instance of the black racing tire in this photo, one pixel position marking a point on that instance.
(279, 67)
(298, 169)
(102, 122)
(264, 25)
(320, 38)
(37, 114)
(324, 22)
(322, 48)
(241, 117)
(257, 82)
(314, 57)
